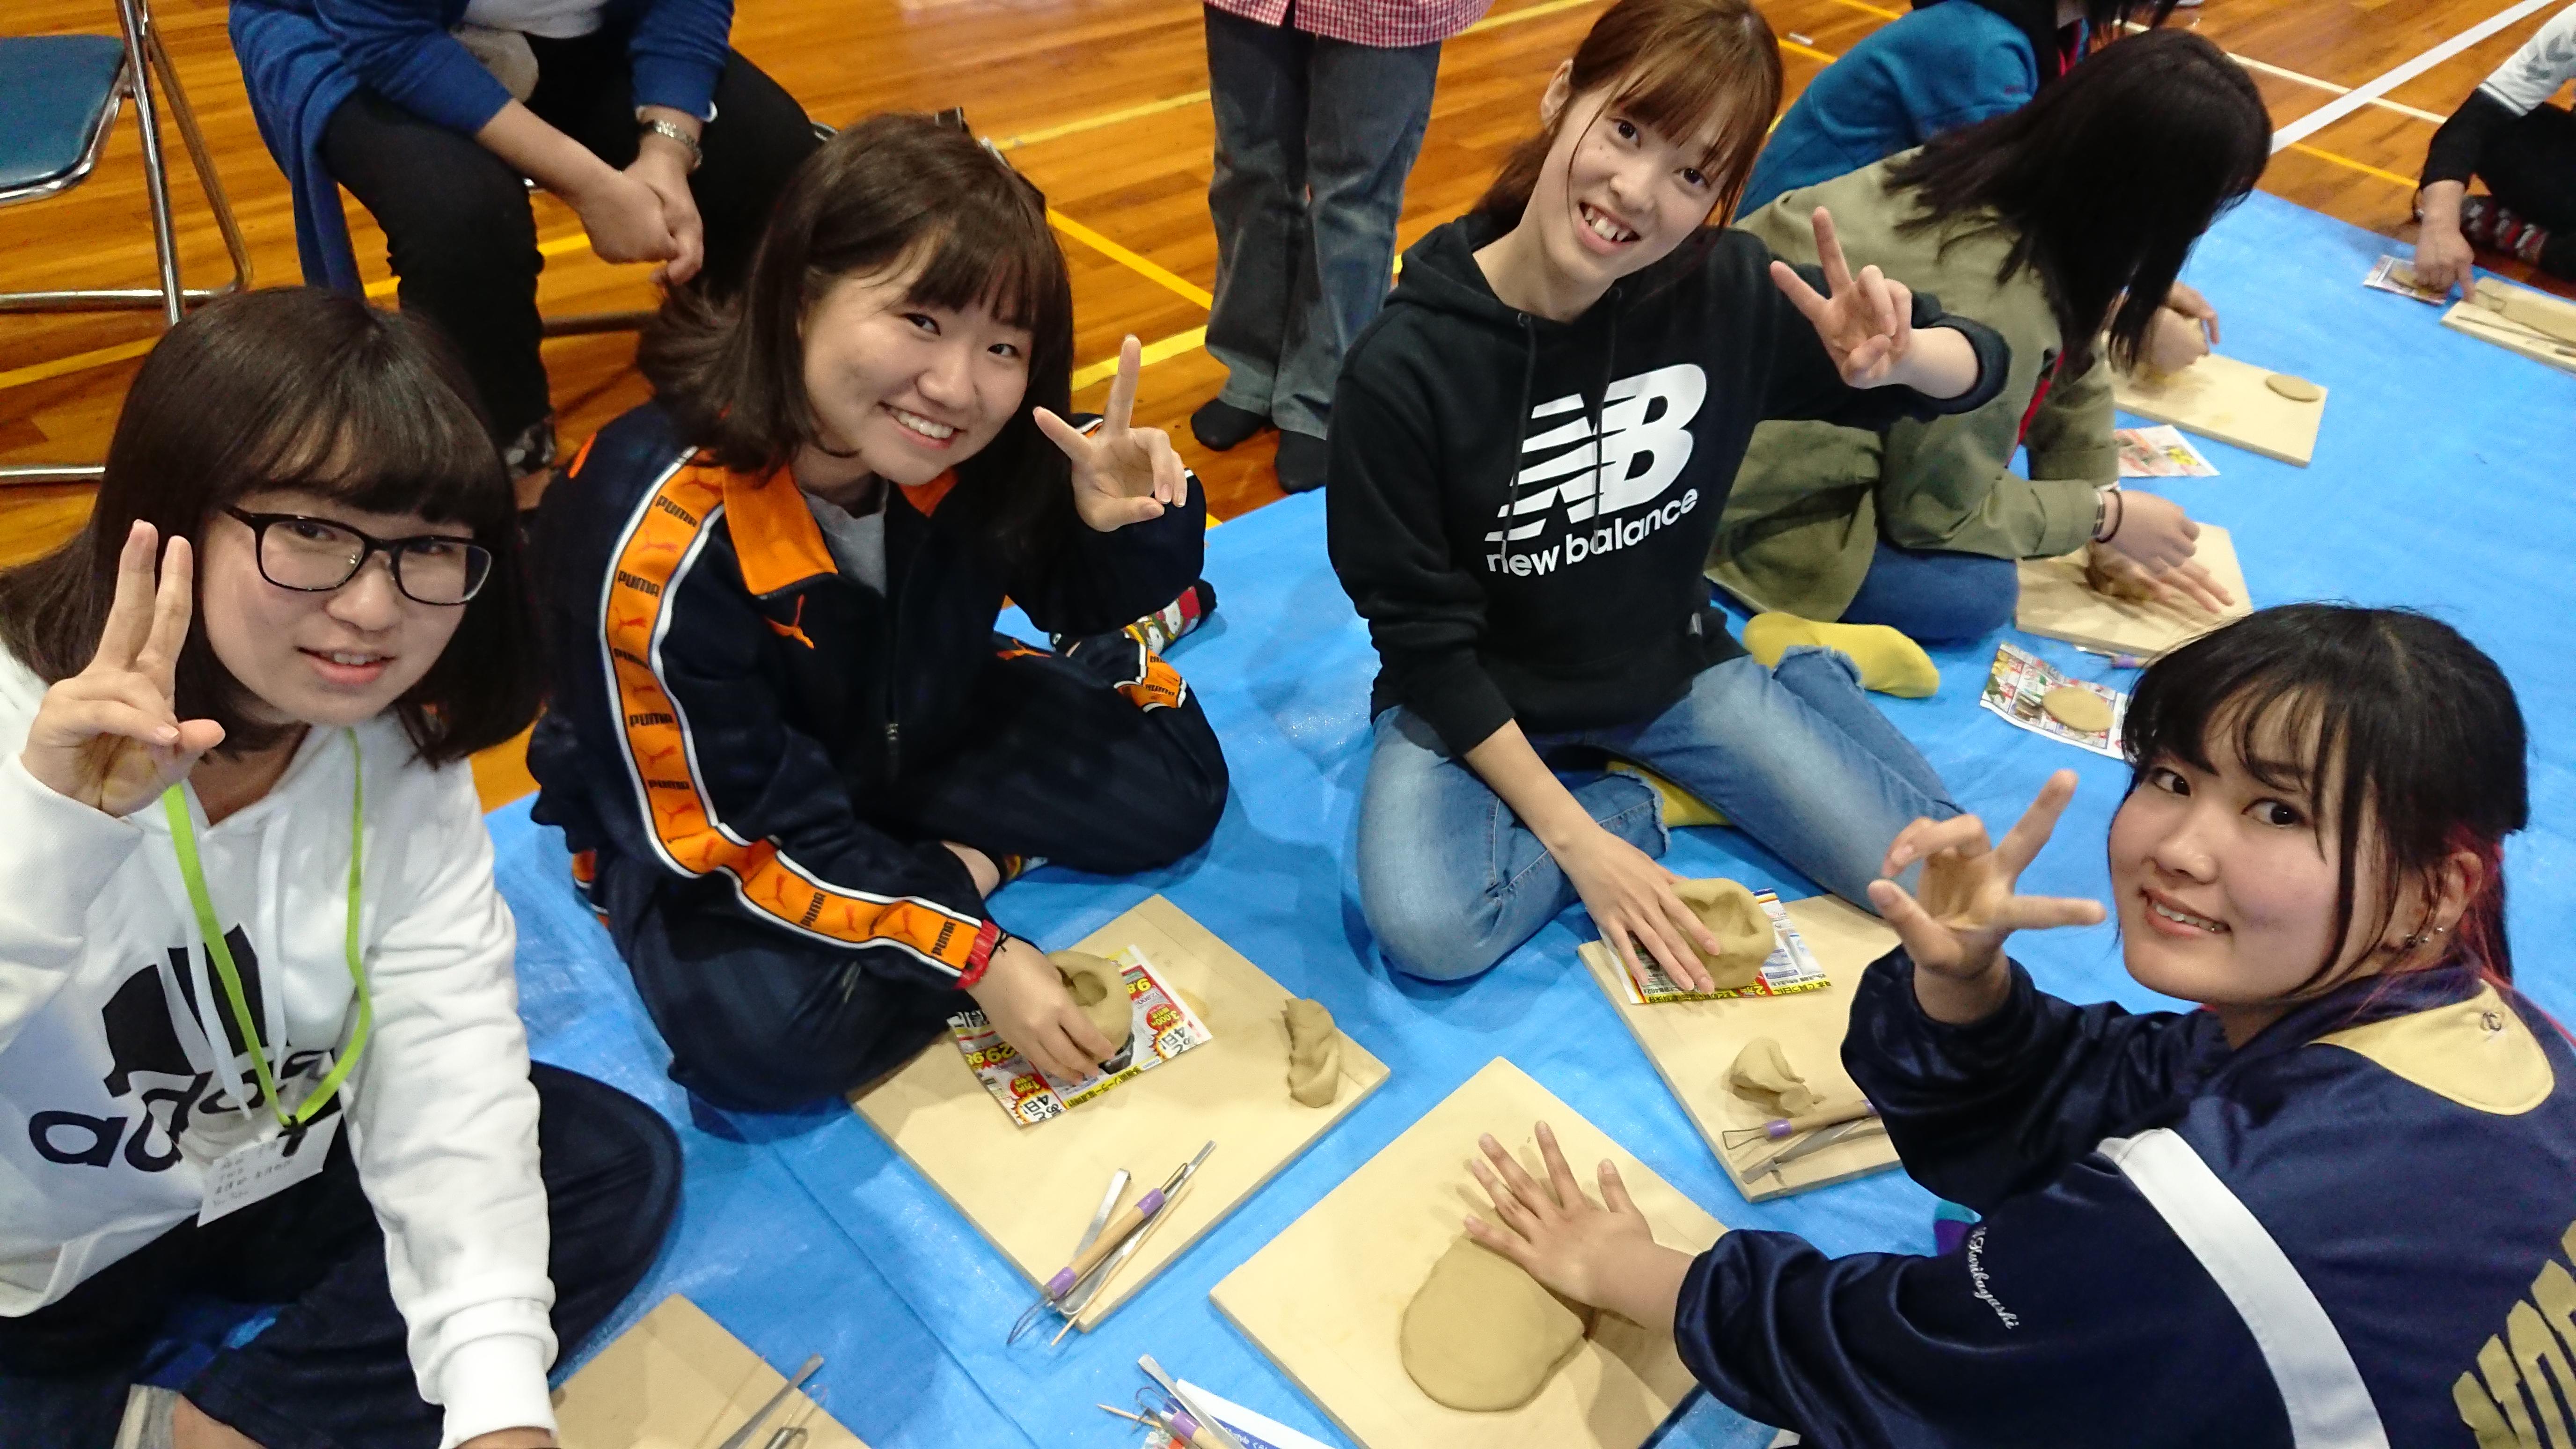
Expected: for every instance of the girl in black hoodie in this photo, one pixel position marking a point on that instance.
(1530, 451)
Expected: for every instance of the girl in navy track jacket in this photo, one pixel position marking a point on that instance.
(2333, 1207)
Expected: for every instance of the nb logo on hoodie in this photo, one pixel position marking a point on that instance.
(1579, 483)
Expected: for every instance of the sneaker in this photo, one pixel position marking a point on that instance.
(1303, 460)
(1222, 425)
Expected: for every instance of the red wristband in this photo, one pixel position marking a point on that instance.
(979, 957)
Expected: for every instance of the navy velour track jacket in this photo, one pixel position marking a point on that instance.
(2355, 1231)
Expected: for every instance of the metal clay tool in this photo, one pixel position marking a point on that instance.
(1781, 1128)
(1090, 1235)
(1080, 1298)
(1211, 1434)
(1814, 1142)
(741, 1438)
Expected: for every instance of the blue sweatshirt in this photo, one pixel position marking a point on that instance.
(301, 58)
(1949, 64)
(2355, 1231)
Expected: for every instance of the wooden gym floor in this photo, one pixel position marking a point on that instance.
(1104, 104)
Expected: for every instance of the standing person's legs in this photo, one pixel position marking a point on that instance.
(1365, 113)
(2531, 167)
(1256, 198)
(1450, 879)
(462, 243)
(1936, 597)
(1798, 759)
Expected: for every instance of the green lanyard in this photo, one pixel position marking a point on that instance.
(183, 840)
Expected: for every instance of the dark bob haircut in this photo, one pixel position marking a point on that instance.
(2106, 179)
(301, 389)
(896, 191)
(2418, 746)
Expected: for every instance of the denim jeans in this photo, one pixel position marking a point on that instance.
(1797, 758)
(1934, 597)
(1314, 138)
(332, 1372)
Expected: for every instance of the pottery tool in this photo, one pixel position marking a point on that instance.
(789, 1438)
(1782, 1127)
(1210, 1434)
(1813, 1142)
(1078, 1302)
(1090, 1235)
(741, 1438)
(1089, 1260)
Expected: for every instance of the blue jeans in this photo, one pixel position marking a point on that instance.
(1314, 138)
(1934, 597)
(1797, 758)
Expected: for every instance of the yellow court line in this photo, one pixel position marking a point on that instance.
(2350, 164)
(1169, 280)
(1526, 12)
(1106, 118)
(1808, 50)
(1153, 352)
(1870, 10)
(74, 362)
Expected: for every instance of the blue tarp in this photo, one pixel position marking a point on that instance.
(2442, 480)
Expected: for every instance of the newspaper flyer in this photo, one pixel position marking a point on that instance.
(1790, 967)
(2161, 452)
(2018, 681)
(2388, 274)
(1165, 1027)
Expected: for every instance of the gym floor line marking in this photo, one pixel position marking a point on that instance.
(2389, 80)
(1169, 280)
(2287, 74)
(1153, 352)
(2350, 164)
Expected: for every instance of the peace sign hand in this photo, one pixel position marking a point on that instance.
(1121, 474)
(1867, 323)
(110, 736)
(1955, 931)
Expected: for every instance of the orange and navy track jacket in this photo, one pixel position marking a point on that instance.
(729, 707)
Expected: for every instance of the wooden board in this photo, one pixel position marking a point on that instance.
(2551, 317)
(1032, 1190)
(2220, 397)
(2056, 603)
(1325, 1298)
(2507, 333)
(677, 1380)
(1693, 1043)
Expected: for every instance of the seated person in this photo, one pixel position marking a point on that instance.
(252, 901)
(2038, 223)
(789, 748)
(2313, 1210)
(2509, 136)
(434, 114)
(1536, 605)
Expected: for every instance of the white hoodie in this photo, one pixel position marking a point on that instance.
(112, 1034)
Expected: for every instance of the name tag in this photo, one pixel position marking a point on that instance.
(266, 1168)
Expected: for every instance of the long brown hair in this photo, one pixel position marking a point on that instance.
(895, 190)
(310, 391)
(1675, 65)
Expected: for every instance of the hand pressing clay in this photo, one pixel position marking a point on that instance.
(1314, 1054)
(2077, 709)
(2296, 389)
(1482, 1335)
(1099, 987)
(2111, 585)
(1762, 1075)
(1744, 933)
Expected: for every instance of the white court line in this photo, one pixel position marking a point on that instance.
(2250, 63)
(2371, 90)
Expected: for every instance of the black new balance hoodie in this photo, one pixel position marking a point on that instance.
(1521, 508)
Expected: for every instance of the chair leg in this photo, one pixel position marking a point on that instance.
(207, 178)
(13, 474)
(156, 176)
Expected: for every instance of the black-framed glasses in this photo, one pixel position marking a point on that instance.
(317, 555)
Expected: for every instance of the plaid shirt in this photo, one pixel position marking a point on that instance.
(1383, 23)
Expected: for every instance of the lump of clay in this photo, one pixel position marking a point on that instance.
(1099, 987)
(1762, 1075)
(1482, 1335)
(1314, 1054)
(2114, 585)
(1743, 931)
(2077, 709)
(2296, 389)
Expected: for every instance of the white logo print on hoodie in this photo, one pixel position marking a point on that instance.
(1571, 476)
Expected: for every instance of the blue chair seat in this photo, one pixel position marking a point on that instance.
(56, 94)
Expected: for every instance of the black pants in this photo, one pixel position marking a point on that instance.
(332, 1372)
(2531, 167)
(463, 242)
(1051, 761)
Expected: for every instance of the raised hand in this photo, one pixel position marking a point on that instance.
(1866, 323)
(1954, 929)
(1121, 474)
(110, 736)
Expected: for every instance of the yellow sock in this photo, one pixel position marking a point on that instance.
(1680, 806)
(1889, 662)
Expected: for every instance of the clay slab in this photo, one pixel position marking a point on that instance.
(2056, 603)
(1693, 1043)
(1032, 1190)
(1324, 1299)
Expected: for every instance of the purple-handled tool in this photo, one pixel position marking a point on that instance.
(1120, 1231)
(1780, 1127)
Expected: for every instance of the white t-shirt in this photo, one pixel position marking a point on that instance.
(2536, 71)
(553, 19)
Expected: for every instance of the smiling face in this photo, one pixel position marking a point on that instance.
(1615, 195)
(905, 390)
(334, 658)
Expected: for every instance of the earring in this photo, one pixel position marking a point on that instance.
(2422, 936)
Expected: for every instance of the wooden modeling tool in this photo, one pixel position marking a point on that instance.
(1090, 1235)
(1779, 1128)
(1814, 1142)
(741, 1438)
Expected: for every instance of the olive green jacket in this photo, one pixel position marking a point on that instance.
(1813, 499)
